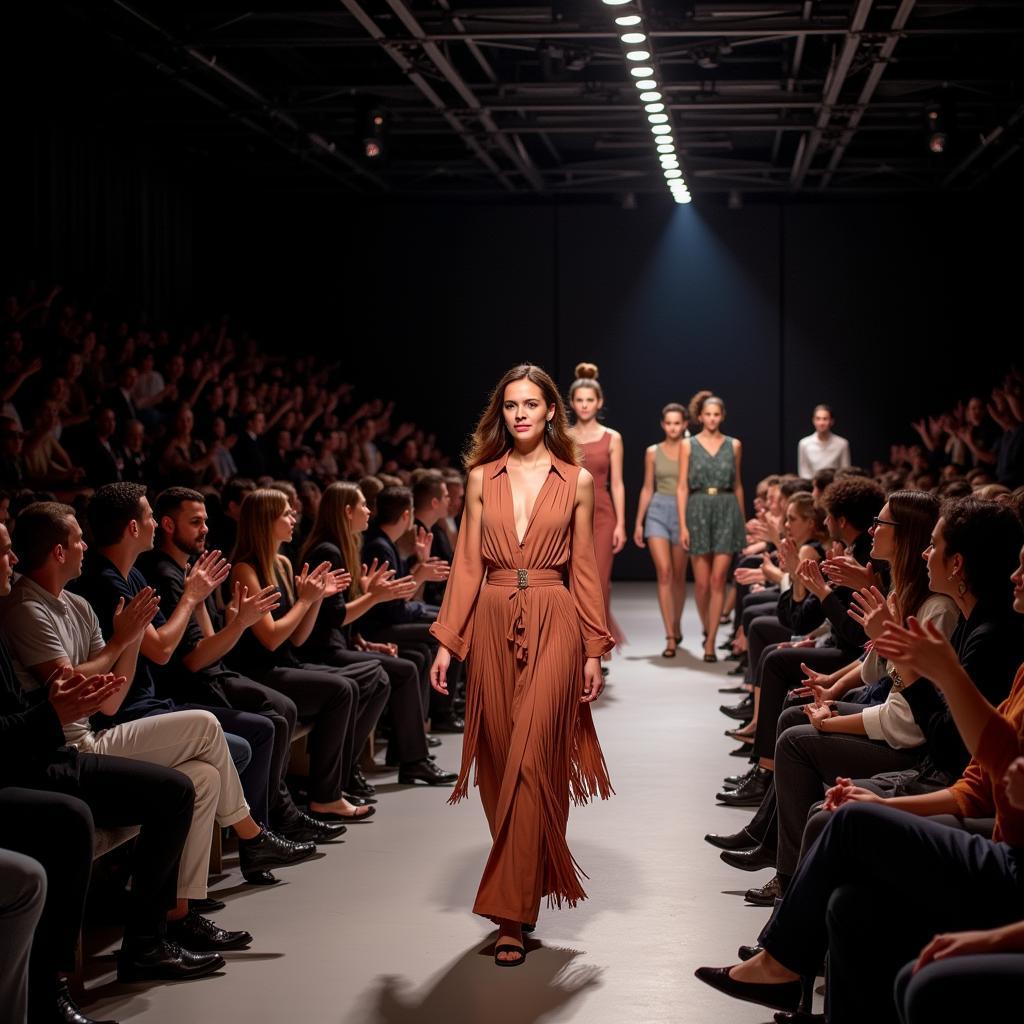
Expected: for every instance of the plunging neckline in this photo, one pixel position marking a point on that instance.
(533, 511)
(725, 441)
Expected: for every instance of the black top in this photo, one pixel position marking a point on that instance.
(252, 659)
(31, 737)
(102, 585)
(174, 680)
(377, 544)
(440, 547)
(990, 645)
(328, 633)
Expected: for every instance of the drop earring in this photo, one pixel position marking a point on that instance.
(547, 426)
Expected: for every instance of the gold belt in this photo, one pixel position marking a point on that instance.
(521, 579)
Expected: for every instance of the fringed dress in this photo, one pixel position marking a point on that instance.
(527, 614)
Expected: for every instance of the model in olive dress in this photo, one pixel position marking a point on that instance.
(710, 499)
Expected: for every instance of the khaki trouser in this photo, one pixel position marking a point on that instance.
(193, 742)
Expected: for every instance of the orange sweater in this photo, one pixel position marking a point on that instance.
(980, 793)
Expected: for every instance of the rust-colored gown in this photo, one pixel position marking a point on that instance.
(597, 459)
(527, 614)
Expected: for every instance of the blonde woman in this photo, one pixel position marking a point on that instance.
(323, 694)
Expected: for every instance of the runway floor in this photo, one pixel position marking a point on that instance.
(378, 930)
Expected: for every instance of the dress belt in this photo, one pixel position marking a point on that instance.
(713, 490)
(522, 580)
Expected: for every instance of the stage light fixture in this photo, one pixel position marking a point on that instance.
(654, 108)
(617, 3)
(666, 147)
(641, 73)
(634, 37)
(673, 172)
(650, 97)
(638, 55)
(660, 129)
(682, 197)
(657, 118)
(628, 20)
(669, 161)
(645, 83)
(935, 126)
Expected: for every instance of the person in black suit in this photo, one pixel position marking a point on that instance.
(430, 510)
(51, 796)
(248, 450)
(119, 397)
(99, 455)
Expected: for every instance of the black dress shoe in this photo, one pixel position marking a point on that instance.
(742, 712)
(432, 741)
(735, 781)
(738, 670)
(268, 850)
(452, 724)
(199, 934)
(743, 750)
(358, 786)
(732, 689)
(799, 1017)
(767, 895)
(166, 962)
(784, 995)
(66, 1010)
(741, 840)
(209, 905)
(425, 771)
(304, 829)
(756, 859)
(750, 793)
(748, 952)
(358, 801)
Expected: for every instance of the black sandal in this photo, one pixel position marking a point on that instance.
(507, 947)
(710, 658)
(670, 652)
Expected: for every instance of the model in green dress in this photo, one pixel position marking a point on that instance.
(710, 500)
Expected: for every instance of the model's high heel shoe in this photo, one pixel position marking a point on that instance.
(670, 652)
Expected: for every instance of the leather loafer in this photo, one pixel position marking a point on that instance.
(66, 1010)
(756, 859)
(358, 786)
(735, 781)
(766, 896)
(750, 793)
(784, 995)
(166, 962)
(731, 689)
(269, 850)
(425, 771)
(199, 934)
(452, 724)
(305, 829)
(743, 750)
(433, 741)
(209, 905)
(742, 712)
(748, 952)
(264, 877)
(741, 840)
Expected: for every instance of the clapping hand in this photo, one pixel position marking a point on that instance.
(846, 571)
(74, 696)
(871, 610)
(131, 619)
(423, 541)
(246, 609)
(205, 575)
(310, 585)
(922, 648)
(748, 577)
(817, 712)
(1014, 782)
(809, 572)
(788, 556)
(336, 581)
(815, 684)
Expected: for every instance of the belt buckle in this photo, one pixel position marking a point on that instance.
(522, 579)
(712, 490)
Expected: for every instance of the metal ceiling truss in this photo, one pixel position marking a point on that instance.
(534, 100)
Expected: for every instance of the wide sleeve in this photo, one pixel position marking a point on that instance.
(453, 627)
(584, 582)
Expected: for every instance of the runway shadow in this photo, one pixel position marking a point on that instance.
(472, 989)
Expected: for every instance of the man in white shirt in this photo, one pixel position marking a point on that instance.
(822, 449)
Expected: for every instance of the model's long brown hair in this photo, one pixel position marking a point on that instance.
(915, 513)
(333, 526)
(491, 438)
(255, 544)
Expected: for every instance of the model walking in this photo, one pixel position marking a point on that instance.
(601, 449)
(524, 601)
(710, 498)
(657, 523)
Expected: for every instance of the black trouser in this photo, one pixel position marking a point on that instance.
(342, 704)
(56, 829)
(258, 732)
(248, 695)
(872, 892)
(765, 631)
(407, 702)
(416, 637)
(780, 672)
(979, 986)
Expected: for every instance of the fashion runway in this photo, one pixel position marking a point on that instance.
(378, 930)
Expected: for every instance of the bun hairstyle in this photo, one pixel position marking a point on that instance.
(701, 399)
(675, 407)
(586, 377)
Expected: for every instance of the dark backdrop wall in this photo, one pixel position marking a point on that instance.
(882, 311)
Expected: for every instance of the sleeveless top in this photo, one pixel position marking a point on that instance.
(707, 470)
(252, 659)
(666, 473)
(598, 461)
